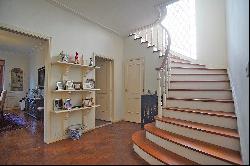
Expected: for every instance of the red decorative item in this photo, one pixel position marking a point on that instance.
(76, 58)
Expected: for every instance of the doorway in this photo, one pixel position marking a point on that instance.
(23, 74)
(2, 62)
(104, 97)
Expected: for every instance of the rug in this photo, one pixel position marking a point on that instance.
(12, 122)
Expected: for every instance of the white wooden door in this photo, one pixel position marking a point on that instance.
(134, 85)
(103, 96)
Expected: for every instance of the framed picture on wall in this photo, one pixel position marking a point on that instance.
(41, 77)
(16, 79)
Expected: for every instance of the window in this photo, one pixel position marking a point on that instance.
(181, 24)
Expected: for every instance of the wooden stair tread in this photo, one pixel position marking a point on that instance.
(189, 63)
(203, 100)
(206, 112)
(159, 153)
(200, 90)
(197, 68)
(200, 74)
(201, 127)
(218, 152)
(204, 81)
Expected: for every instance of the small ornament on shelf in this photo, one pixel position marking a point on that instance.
(59, 85)
(67, 104)
(91, 62)
(76, 58)
(58, 104)
(66, 58)
(69, 85)
(62, 56)
(88, 102)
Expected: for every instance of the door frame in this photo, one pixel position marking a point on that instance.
(111, 68)
(142, 59)
(47, 82)
(3, 70)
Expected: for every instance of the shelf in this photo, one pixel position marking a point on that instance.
(69, 91)
(77, 65)
(76, 109)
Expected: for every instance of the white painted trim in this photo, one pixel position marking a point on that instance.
(23, 31)
(236, 107)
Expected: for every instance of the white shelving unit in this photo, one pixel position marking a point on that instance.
(80, 74)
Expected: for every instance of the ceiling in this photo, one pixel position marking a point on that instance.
(19, 44)
(120, 16)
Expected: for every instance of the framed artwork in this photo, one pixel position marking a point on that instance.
(59, 85)
(77, 85)
(16, 79)
(69, 85)
(90, 84)
(41, 77)
(58, 104)
(67, 104)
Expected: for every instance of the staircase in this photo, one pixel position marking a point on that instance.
(196, 122)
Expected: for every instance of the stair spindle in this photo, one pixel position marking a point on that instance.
(157, 39)
(159, 94)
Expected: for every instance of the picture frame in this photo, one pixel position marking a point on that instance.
(59, 85)
(90, 83)
(58, 104)
(41, 77)
(69, 85)
(77, 85)
(87, 86)
(67, 104)
(88, 102)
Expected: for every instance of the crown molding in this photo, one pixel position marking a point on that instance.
(65, 7)
(24, 32)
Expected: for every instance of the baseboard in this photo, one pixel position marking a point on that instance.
(236, 106)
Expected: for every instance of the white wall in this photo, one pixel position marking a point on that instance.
(69, 33)
(36, 61)
(238, 59)
(15, 61)
(211, 34)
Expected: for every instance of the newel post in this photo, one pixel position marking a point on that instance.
(159, 93)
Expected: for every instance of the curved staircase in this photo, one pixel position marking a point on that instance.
(198, 126)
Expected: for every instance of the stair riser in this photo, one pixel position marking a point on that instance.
(202, 118)
(201, 94)
(151, 160)
(197, 71)
(200, 85)
(230, 143)
(185, 152)
(213, 106)
(198, 77)
(186, 65)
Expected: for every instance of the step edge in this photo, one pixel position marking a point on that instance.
(171, 89)
(154, 156)
(198, 129)
(203, 112)
(195, 148)
(202, 100)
